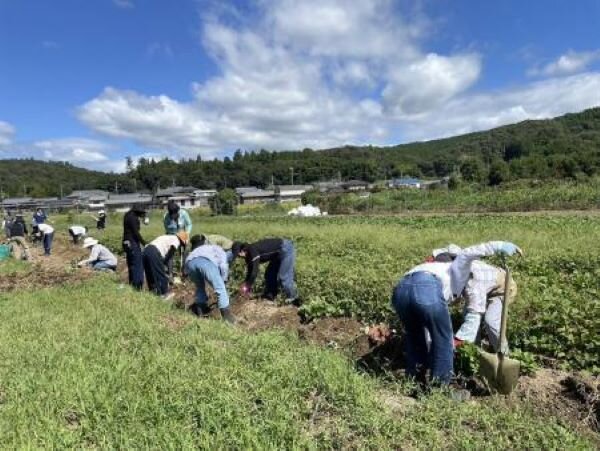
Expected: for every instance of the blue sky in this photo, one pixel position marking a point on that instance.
(91, 82)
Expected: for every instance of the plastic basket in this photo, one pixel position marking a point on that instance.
(4, 251)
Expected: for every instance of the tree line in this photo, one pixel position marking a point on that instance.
(567, 147)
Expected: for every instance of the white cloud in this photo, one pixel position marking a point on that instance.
(125, 4)
(569, 63)
(540, 100)
(82, 152)
(427, 83)
(288, 82)
(322, 73)
(7, 133)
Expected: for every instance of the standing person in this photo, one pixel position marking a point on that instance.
(132, 245)
(77, 232)
(17, 233)
(281, 258)
(100, 257)
(208, 263)
(39, 216)
(100, 220)
(156, 257)
(176, 219)
(47, 236)
(483, 295)
(421, 301)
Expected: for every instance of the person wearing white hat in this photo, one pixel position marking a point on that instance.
(421, 301)
(100, 257)
(483, 295)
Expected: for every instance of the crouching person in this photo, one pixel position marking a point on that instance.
(421, 301)
(281, 258)
(100, 259)
(207, 263)
(156, 258)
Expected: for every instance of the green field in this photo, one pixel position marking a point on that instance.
(347, 266)
(96, 365)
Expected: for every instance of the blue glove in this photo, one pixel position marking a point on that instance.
(509, 248)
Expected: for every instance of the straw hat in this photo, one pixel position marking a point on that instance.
(89, 242)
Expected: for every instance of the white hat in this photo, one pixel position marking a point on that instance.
(89, 242)
(452, 249)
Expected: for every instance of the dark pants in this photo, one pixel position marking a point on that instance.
(281, 271)
(156, 271)
(48, 238)
(75, 238)
(420, 304)
(135, 267)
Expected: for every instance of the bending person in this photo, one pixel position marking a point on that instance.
(281, 258)
(483, 295)
(77, 232)
(207, 263)
(156, 258)
(421, 301)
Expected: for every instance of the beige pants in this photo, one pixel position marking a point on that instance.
(19, 248)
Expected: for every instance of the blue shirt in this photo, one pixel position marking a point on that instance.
(213, 253)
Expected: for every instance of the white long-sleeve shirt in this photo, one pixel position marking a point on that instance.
(78, 230)
(100, 253)
(164, 243)
(45, 229)
(455, 275)
(215, 254)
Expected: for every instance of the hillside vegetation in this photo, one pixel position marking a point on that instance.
(566, 147)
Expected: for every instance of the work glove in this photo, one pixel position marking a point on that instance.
(245, 289)
(509, 248)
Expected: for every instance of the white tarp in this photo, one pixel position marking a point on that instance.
(306, 211)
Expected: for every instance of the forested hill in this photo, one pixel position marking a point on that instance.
(564, 147)
(34, 178)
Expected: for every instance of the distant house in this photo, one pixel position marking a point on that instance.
(123, 202)
(355, 185)
(245, 189)
(257, 196)
(203, 196)
(18, 203)
(85, 195)
(184, 196)
(405, 182)
(30, 203)
(289, 193)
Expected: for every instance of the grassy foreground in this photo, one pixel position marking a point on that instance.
(97, 365)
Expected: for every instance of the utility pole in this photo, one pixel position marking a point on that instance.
(272, 181)
(292, 170)
(24, 190)
(135, 185)
(61, 191)
(116, 187)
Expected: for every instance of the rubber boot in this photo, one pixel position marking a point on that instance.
(201, 310)
(226, 315)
